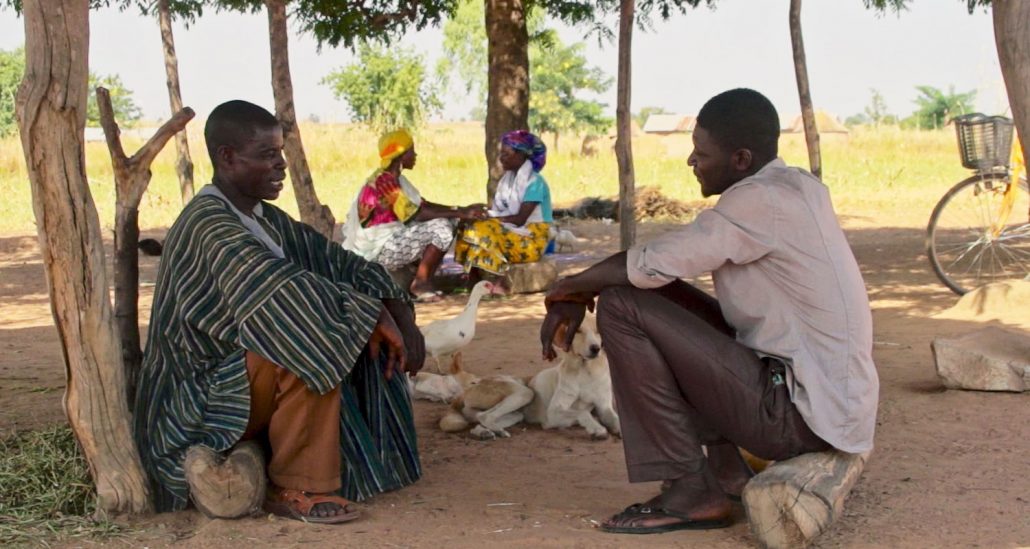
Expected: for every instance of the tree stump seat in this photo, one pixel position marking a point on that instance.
(521, 278)
(793, 501)
(230, 486)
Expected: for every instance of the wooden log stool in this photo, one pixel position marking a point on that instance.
(227, 487)
(793, 501)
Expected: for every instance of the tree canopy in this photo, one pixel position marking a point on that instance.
(936, 107)
(385, 88)
(558, 76)
(559, 73)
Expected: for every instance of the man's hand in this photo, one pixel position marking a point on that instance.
(561, 313)
(414, 343)
(387, 334)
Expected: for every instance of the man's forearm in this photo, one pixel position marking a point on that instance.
(610, 272)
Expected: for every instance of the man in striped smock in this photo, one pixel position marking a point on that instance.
(264, 329)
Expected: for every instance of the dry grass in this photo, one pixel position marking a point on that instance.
(46, 493)
(871, 172)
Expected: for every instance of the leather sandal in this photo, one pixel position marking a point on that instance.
(298, 505)
(643, 511)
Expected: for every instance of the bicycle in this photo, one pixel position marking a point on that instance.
(979, 232)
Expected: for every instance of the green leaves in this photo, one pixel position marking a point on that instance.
(386, 88)
(935, 107)
(559, 76)
(126, 112)
(12, 66)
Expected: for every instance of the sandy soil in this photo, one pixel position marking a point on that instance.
(949, 468)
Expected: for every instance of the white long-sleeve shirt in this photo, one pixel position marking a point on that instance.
(788, 282)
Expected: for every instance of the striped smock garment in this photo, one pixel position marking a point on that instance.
(220, 292)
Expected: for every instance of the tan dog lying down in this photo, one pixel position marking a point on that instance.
(561, 396)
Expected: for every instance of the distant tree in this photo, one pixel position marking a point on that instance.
(385, 88)
(937, 107)
(335, 23)
(876, 111)
(857, 119)
(12, 67)
(641, 117)
(126, 112)
(558, 73)
(464, 42)
(558, 77)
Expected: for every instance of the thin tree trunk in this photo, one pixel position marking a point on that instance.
(312, 211)
(507, 98)
(804, 93)
(51, 112)
(1011, 21)
(624, 128)
(131, 177)
(183, 163)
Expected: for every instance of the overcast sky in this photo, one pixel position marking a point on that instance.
(677, 65)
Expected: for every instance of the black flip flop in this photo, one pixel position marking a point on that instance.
(640, 510)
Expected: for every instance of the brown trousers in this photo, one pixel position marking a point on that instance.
(302, 428)
(681, 381)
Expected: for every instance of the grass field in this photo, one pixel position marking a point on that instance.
(885, 175)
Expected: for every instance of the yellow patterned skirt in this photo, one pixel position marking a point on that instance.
(488, 245)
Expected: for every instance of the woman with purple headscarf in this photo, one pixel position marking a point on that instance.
(519, 217)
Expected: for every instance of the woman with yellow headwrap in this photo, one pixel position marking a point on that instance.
(390, 223)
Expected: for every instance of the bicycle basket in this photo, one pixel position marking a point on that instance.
(985, 142)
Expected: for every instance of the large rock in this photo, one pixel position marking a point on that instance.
(991, 359)
(527, 278)
(793, 501)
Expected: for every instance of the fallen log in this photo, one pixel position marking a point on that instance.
(793, 501)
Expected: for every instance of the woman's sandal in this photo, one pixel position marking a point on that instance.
(298, 505)
(428, 297)
(643, 511)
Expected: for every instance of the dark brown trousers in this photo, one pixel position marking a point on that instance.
(300, 426)
(681, 382)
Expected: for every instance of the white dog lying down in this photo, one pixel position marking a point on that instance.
(561, 396)
(577, 389)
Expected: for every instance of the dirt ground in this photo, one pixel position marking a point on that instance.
(949, 469)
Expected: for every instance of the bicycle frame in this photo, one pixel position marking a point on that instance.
(1009, 198)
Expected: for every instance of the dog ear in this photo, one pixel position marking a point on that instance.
(559, 335)
(456, 363)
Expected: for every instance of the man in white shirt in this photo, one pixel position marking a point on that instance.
(779, 364)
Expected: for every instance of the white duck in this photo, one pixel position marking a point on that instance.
(563, 238)
(447, 336)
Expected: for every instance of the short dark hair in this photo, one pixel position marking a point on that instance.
(234, 122)
(742, 119)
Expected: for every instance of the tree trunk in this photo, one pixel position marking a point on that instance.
(804, 93)
(1011, 21)
(507, 98)
(555, 151)
(183, 163)
(624, 128)
(51, 111)
(131, 177)
(312, 211)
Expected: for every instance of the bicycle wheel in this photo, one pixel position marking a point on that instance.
(969, 245)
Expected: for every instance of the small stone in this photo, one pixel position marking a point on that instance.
(991, 359)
